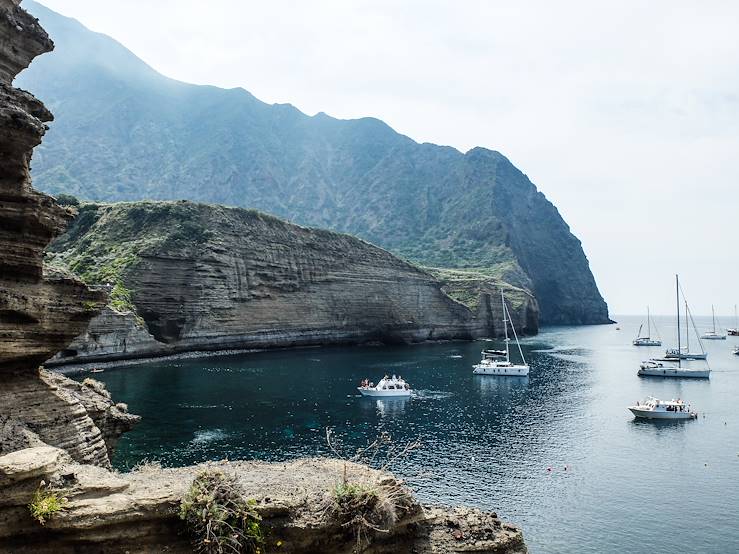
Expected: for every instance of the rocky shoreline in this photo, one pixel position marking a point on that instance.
(137, 512)
(57, 492)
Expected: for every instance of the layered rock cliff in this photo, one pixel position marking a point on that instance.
(41, 309)
(211, 278)
(125, 132)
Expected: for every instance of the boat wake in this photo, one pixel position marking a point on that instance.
(431, 394)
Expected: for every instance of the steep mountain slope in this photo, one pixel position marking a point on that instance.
(125, 132)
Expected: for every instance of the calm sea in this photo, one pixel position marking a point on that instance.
(556, 453)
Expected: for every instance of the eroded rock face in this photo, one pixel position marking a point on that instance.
(39, 312)
(111, 335)
(137, 512)
(212, 278)
(43, 408)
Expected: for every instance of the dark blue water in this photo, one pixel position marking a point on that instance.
(497, 443)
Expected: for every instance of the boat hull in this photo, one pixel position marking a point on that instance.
(504, 371)
(681, 372)
(687, 356)
(713, 337)
(638, 342)
(384, 393)
(651, 414)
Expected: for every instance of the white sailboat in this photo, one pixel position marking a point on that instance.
(492, 366)
(647, 340)
(684, 352)
(713, 335)
(656, 368)
(735, 331)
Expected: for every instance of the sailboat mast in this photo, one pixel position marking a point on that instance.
(649, 326)
(713, 316)
(677, 297)
(505, 326)
(687, 328)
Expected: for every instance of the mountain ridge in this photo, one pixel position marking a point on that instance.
(126, 132)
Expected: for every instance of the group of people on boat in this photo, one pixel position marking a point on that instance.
(397, 382)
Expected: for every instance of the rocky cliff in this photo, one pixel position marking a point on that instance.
(125, 132)
(41, 309)
(56, 435)
(137, 512)
(205, 277)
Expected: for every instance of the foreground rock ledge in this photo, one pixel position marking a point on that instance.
(137, 512)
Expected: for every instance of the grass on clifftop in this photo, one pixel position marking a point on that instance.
(105, 241)
(219, 517)
(466, 285)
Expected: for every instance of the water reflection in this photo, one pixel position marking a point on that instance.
(391, 406)
(500, 385)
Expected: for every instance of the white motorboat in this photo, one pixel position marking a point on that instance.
(713, 334)
(646, 340)
(652, 408)
(388, 386)
(736, 350)
(659, 368)
(492, 364)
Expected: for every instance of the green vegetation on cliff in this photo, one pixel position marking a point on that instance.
(129, 230)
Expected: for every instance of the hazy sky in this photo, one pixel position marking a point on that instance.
(625, 114)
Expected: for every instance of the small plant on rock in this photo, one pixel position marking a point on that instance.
(219, 516)
(373, 505)
(45, 503)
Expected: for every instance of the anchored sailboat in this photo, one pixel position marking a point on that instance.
(491, 366)
(657, 368)
(684, 352)
(647, 340)
(713, 335)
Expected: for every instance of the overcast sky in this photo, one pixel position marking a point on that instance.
(625, 114)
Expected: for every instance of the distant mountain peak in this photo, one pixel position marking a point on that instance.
(125, 132)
